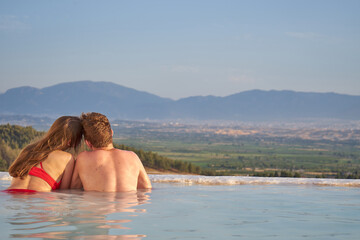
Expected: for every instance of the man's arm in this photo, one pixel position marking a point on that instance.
(143, 179)
(76, 181)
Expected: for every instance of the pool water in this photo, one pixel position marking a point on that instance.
(179, 210)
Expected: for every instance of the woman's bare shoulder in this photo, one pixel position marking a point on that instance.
(60, 154)
(56, 161)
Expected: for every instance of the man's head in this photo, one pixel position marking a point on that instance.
(97, 129)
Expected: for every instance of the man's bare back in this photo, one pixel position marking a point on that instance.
(109, 170)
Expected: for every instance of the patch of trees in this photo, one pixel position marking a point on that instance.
(12, 139)
(7, 155)
(154, 160)
(16, 136)
(282, 173)
(348, 175)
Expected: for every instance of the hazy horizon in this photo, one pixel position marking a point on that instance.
(186, 96)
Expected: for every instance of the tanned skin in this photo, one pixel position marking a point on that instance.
(59, 165)
(108, 169)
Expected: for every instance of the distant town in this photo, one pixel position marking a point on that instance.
(310, 129)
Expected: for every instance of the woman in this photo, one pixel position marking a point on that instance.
(44, 165)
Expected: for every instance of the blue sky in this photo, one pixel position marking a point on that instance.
(181, 48)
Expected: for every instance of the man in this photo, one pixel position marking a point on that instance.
(105, 168)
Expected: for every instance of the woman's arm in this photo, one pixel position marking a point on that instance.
(68, 172)
(76, 181)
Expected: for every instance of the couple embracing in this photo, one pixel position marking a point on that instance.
(46, 165)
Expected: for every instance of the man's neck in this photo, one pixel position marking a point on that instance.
(108, 147)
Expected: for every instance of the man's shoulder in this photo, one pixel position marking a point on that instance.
(85, 159)
(125, 153)
(87, 154)
(83, 155)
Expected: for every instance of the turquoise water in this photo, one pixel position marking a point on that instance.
(177, 209)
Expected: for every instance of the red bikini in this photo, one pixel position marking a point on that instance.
(40, 173)
(15, 190)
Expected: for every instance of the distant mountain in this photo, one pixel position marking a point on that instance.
(120, 102)
(84, 96)
(271, 105)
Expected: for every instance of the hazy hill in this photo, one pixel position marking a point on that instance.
(125, 103)
(84, 96)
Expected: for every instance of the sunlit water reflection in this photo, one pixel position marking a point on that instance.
(73, 214)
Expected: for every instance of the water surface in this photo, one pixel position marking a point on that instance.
(183, 209)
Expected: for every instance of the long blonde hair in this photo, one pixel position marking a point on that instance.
(66, 132)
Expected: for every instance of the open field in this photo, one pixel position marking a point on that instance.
(320, 152)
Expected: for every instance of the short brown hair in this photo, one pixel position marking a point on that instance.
(97, 129)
